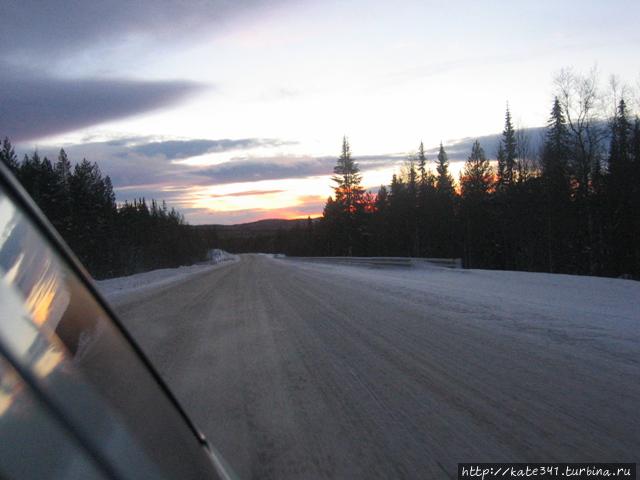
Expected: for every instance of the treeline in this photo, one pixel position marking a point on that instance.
(109, 239)
(571, 206)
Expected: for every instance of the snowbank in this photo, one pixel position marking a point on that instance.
(117, 288)
(556, 302)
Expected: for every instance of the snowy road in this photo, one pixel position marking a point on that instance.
(300, 370)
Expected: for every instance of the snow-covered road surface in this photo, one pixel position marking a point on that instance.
(300, 370)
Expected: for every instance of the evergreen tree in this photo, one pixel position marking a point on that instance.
(425, 203)
(30, 175)
(347, 178)
(8, 156)
(635, 163)
(333, 226)
(422, 164)
(475, 184)
(348, 203)
(380, 228)
(555, 179)
(412, 180)
(620, 147)
(622, 210)
(399, 208)
(477, 175)
(444, 181)
(502, 168)
(412, 209)
(635, 147)
(63, 170)
(635, 193)
(81, 205)
(507, 154)
(556, 150)
(61, 198)
(442, 241)
(47, 188)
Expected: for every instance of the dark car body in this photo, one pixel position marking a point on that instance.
(78, 398)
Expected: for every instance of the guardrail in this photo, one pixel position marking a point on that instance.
(383, 261)
(443, 262)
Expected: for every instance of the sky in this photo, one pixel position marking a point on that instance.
(234, 111)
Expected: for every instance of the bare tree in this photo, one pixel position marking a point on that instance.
(581, 101)
(526, 166)
(621, 91)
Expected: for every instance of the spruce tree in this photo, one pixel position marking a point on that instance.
(444, 181)
(62, 195)
(8, 156)
(507, 153)
(635, 162)
(555, 157)
(622, 204)
(47, 185)
(425, 203)
(475, 185)
(422, 164)
(30, 175)
(349, 202)
(477, 175)
(411, 208)
(441, 237)
(556, 149)
(635, 193)
(620, 147)
(635, 147)
(412, 181)
(399, 211)
(347, 178)
(63, 170)
(500, 156)
(555, 182)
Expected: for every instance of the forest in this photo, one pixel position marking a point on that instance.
(109, 239)
(570, 206)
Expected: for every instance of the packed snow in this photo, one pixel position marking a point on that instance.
(593, 305)
(116, 289)
(385, 372)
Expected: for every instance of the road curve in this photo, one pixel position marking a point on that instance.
(304, 371)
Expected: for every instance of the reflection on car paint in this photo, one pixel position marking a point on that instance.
(38, 446)
(44, 339)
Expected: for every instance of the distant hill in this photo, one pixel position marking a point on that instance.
(269, 226)
(267, 236)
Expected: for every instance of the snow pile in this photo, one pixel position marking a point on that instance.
(216, 256)
(118, 288)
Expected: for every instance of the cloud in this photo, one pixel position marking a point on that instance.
(36, 105)
(458, 150)
(253, 170)
(49, 29)
(144, 164)
(181, 149)
(44, 43)
(281, 167)
(247, 193)
(125, 167)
